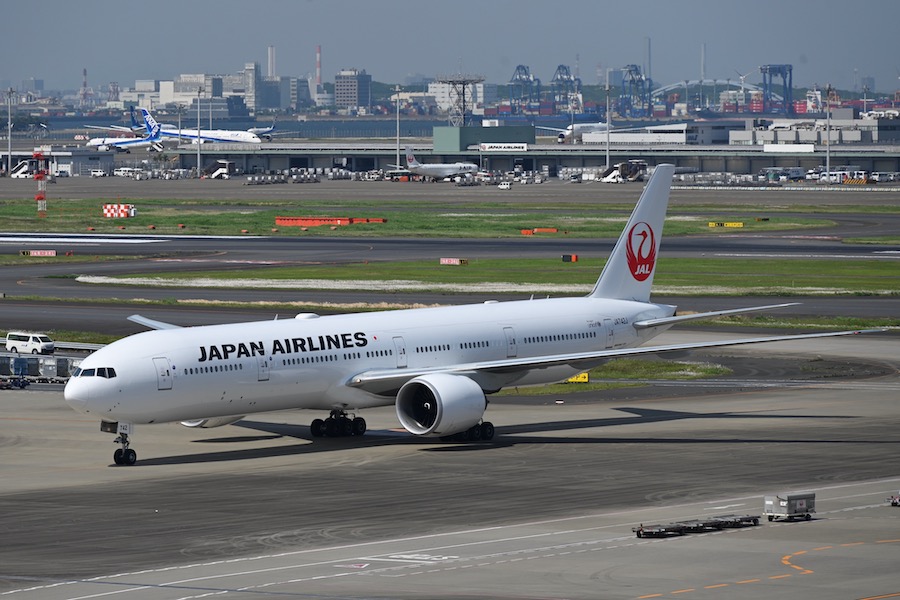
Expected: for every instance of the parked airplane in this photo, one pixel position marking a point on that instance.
(153, 141)
(205, 135)
(435, 365)
(264, 132)
(438, 170)
(575, 131)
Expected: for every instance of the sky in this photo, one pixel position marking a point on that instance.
(827, 41)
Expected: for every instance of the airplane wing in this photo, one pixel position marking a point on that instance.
(706, 315)
(151, 323)
(120, 128)
(388, 381)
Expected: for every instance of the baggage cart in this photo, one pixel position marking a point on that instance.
(790, 506)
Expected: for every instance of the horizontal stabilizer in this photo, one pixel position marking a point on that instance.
(707, 315)
(151, 323)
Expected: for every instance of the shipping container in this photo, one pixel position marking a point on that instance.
(790, 506)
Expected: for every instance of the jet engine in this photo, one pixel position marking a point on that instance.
(440, 404)
(213, 422)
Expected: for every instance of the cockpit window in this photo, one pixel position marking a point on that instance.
(105, 372)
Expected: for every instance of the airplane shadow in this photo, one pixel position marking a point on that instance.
(506, 436)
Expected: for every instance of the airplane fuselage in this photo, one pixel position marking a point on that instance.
(213, 135)
(442, 170)
(212, 371)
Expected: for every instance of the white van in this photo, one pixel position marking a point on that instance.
(25, 343)
(504, 185)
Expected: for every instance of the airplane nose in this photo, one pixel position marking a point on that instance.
(76, 395)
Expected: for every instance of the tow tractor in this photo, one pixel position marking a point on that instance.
(894, 500)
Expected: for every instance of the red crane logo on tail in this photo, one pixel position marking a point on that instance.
(641, 251)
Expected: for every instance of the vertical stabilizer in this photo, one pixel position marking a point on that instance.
(149, 122)
(628, 274)
(410, 159)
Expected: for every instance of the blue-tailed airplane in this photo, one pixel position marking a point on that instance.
(153, 141)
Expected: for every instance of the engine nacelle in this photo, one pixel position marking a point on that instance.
(212, 422)
(440, 404)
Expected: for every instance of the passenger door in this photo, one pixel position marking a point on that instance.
(163, 373)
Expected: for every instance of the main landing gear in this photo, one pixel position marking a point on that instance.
(338, 424)
(482, 432)
(124, 455)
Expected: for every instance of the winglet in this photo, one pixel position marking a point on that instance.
(628, 274)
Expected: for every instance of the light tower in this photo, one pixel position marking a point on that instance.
(458, 84)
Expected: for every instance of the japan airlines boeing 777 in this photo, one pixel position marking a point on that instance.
(435, 365)
(204, 136)
(438, 170)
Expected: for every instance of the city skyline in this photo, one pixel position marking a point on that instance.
(393, 40)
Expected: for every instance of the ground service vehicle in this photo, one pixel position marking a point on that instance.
(29, 343)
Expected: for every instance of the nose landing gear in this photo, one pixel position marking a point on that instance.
(124, 455)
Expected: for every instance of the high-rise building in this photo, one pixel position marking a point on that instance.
(251, 85)
(353, 89)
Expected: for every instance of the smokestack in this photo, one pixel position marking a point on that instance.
(702, 61)
(318, 66)
(271, 61)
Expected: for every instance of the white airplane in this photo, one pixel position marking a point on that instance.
(264, 132)
(205, 135)
(153, 141)
(438, 170)
(435, 365)
(575, 131)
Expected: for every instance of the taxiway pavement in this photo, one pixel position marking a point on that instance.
(262, 509)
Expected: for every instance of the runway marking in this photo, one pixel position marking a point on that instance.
(485, 559)
(786, 560)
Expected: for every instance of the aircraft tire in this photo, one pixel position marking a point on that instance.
(487, 431)
(331, 428)
(345, 426)
(129, 457)
(359, 426)
(317, 428)
(117, 456)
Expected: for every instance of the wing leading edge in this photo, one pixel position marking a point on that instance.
(387, 381)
